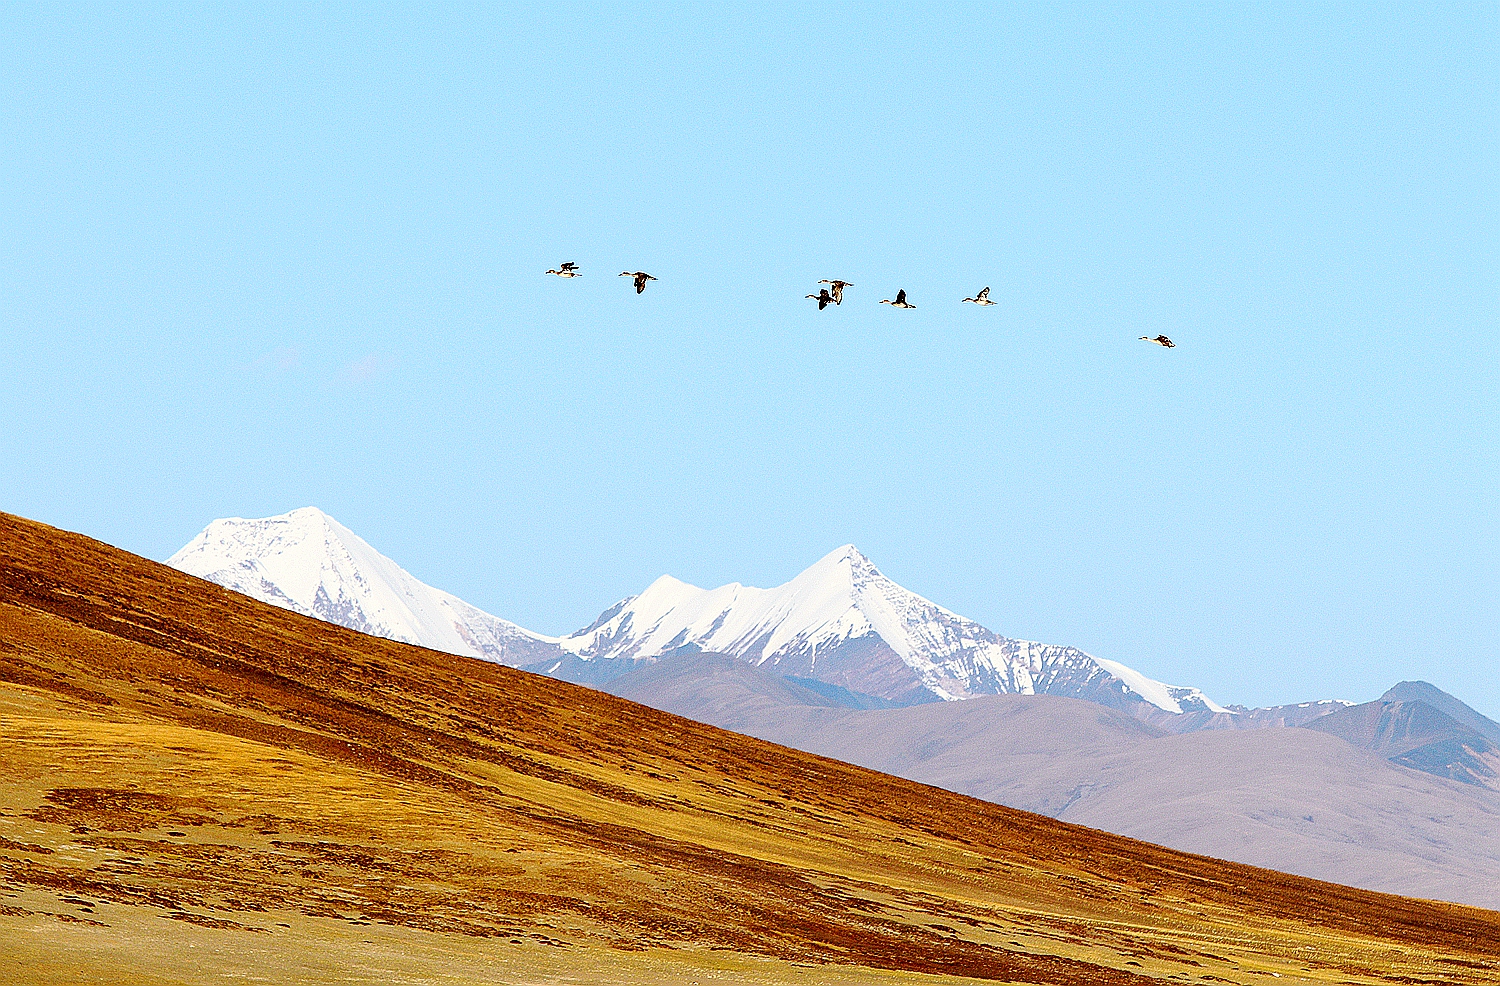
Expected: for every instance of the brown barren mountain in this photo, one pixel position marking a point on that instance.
(196, 786)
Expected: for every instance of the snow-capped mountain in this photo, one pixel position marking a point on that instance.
(843, 622)
(840, 622)
(307, 562)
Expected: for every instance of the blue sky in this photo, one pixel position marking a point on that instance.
(256, 259)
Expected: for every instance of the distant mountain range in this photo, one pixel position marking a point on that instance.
(844, 662)
(840, 627)
(1418, 726)
(1298, 800)
(840, 622)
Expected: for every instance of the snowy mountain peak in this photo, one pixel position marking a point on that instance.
(839, 621)
(846, 566)
(307, 514)
(307, 562)
(843, 622)
(844, 556)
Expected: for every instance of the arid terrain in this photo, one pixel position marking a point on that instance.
(1297, 800)
(197, 787)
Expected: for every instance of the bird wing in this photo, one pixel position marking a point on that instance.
(983, 295)
(901, 297)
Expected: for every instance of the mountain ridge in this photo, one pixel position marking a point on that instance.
(1422, 691)
(870, 635)
(840, 622)
(1418, 734)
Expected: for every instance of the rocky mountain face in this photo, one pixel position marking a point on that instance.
(1421, 691)
(1417, 734)
(1240, 717)
(842, 622)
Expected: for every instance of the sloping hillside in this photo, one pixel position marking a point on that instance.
(201, 787)
(1294, 800)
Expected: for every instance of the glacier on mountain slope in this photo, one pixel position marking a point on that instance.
(307, 562)
(841, 622)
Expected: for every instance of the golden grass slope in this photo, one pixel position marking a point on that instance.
(198, 787)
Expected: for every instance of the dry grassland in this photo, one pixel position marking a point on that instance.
(196, 788)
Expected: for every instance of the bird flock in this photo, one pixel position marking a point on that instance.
(833, 294)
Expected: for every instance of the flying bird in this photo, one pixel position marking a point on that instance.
(824, 298)
(836, 288)
(900, 301)
(1161, 341)
(568, 269)
(641, 277)
(982, 298)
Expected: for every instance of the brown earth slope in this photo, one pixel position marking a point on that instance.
(195, 786)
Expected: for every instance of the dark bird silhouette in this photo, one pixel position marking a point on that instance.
(568, 269)
(641, 277)
(982, 298)
(900, 301)
(1161, 341)
(836, 288)
(824, 299)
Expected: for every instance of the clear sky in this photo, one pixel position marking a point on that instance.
(261, 259)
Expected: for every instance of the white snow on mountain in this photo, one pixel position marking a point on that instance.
(843, 622)
(1170, 698)
(307, 562)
